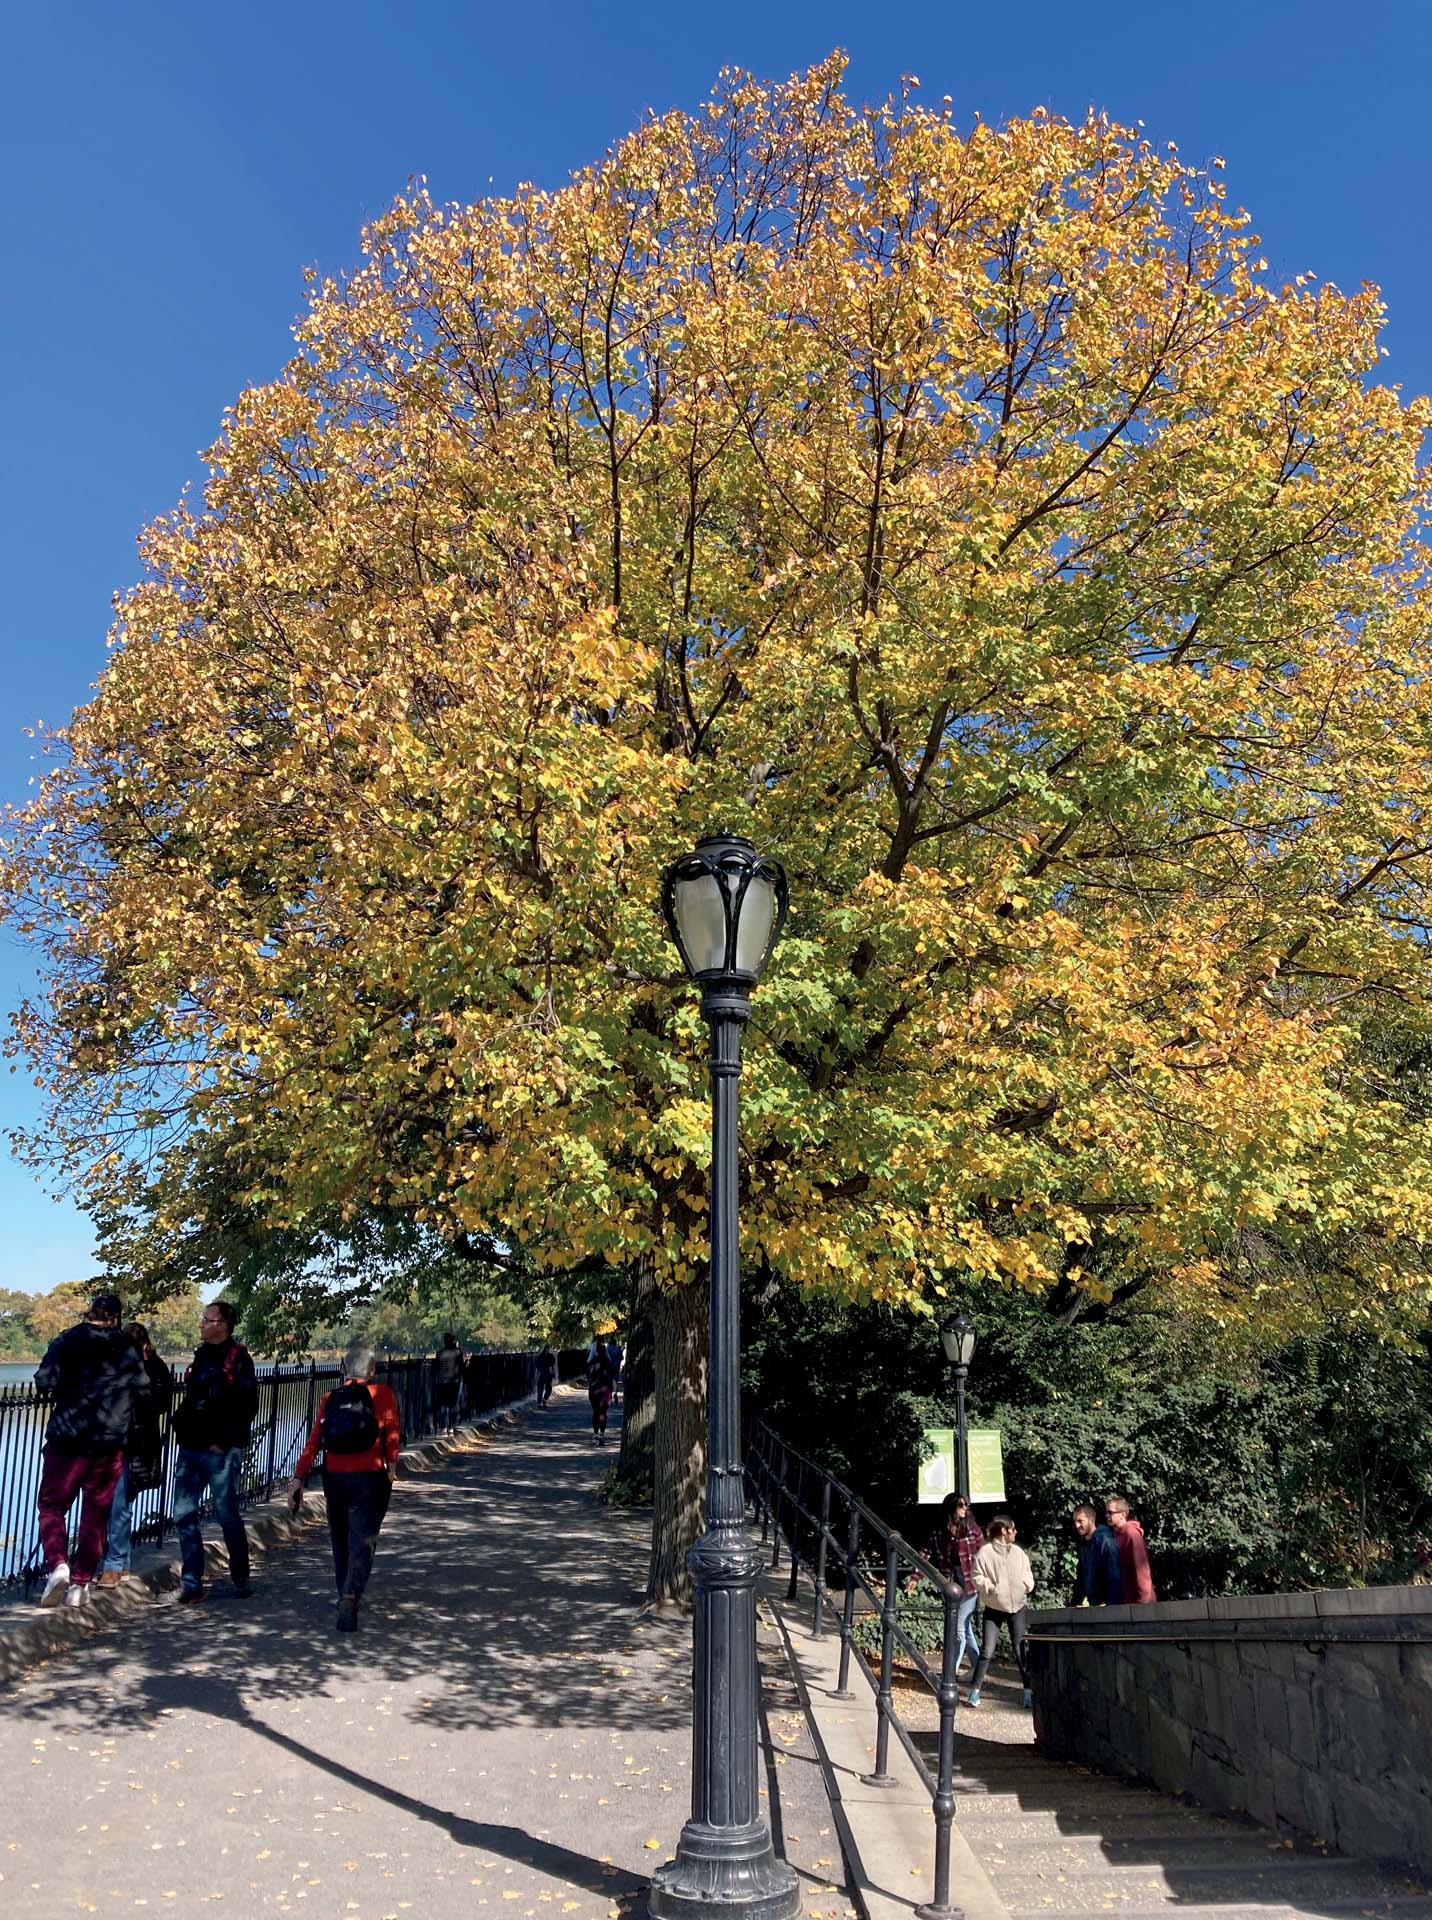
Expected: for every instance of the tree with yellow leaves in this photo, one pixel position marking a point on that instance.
(964, 516)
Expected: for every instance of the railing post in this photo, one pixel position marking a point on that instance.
(763, 1483)
(817, 1625)
(272, 1431)
(166, 1459)
(885, 1698)
(796, 1530)
(943, 1799)
(776, 1515)
(847, 1612)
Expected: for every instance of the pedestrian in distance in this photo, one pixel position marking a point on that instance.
(953, 1548)
(447, 1382)
(616, 1353)
(1138, 1576)
(360, 1436)
(1004, 1580)
(98, 1385)
(546, 1374)
(211, 1430)
(143, 1463)
(600, 1376)
(1100, 1581)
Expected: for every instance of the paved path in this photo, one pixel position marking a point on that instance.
(504, 1732)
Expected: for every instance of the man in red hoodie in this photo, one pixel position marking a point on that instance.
(361, 1437)
(1133, 1552)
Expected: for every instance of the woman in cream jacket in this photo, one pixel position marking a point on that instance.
(1004, 1580)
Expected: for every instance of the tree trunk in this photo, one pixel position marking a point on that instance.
(636, 1465)
(681, 1322)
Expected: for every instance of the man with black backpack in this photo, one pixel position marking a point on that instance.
(98, 1387)
(361, 1437)
(211, 1429)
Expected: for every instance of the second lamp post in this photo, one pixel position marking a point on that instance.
(958, 1338)
(724, 906)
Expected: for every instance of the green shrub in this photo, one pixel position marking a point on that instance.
(921, 1614)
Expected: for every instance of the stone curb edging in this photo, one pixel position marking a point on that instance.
(36, 1634)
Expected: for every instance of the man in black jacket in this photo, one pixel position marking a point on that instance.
(211, 1429)
(99, 1386)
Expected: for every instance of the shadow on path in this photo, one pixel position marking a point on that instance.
(502, 1586)
(221, 1699)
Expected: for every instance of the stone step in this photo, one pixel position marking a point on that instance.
(1067, 1854)
(1050, 1824)
(1409, 1907)
(1048, 1797)
(1350, 1883)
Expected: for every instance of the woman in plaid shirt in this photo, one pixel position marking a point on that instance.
(952, 1548)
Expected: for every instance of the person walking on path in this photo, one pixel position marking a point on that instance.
(98, 1384)
(361, 1437)
(447, 1382)
(1133, 1553)
(1004, 1580)
(546, 1374)
(211, 1428)
(1100, 1581)
(600, 1376)
(953, 1548)
(143, 1463)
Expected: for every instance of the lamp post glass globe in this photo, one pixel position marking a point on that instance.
(724, 905)
(958, 1337)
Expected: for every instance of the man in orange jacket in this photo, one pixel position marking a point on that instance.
(360, 1435)
(1133, 1552)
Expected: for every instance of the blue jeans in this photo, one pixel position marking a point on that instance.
(116, 1546)
(218, 1471)
(966, 1639)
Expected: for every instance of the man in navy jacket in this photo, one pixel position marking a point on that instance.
(1101, 1578)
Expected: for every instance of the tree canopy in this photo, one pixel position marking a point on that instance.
(964, 514)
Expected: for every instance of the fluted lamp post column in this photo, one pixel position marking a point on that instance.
(724, 906)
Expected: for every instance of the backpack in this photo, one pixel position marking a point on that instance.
(198, 1406)
(349, 1423)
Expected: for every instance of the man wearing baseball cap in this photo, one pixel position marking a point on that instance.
(97, 1384)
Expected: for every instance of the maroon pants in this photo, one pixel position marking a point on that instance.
(62, 1477)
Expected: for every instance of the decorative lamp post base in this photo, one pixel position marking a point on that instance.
(726, 1870)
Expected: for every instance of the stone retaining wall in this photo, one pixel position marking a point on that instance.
(1311, 1712)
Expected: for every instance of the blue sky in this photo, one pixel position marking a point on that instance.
(168, 172)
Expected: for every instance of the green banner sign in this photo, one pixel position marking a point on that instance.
(937, 1468)
(986, 1465)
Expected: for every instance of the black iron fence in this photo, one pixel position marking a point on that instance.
(829, 1532)
(288, 1402)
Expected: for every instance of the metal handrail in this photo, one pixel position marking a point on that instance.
(781, 1490)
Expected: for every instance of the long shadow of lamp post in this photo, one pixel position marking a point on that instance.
(724, 906)
(958, 1338)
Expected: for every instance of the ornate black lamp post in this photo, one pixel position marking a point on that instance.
(724, 905)
(958, 1338)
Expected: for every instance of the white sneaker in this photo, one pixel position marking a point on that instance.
(55, 1586)
(76, 1596)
